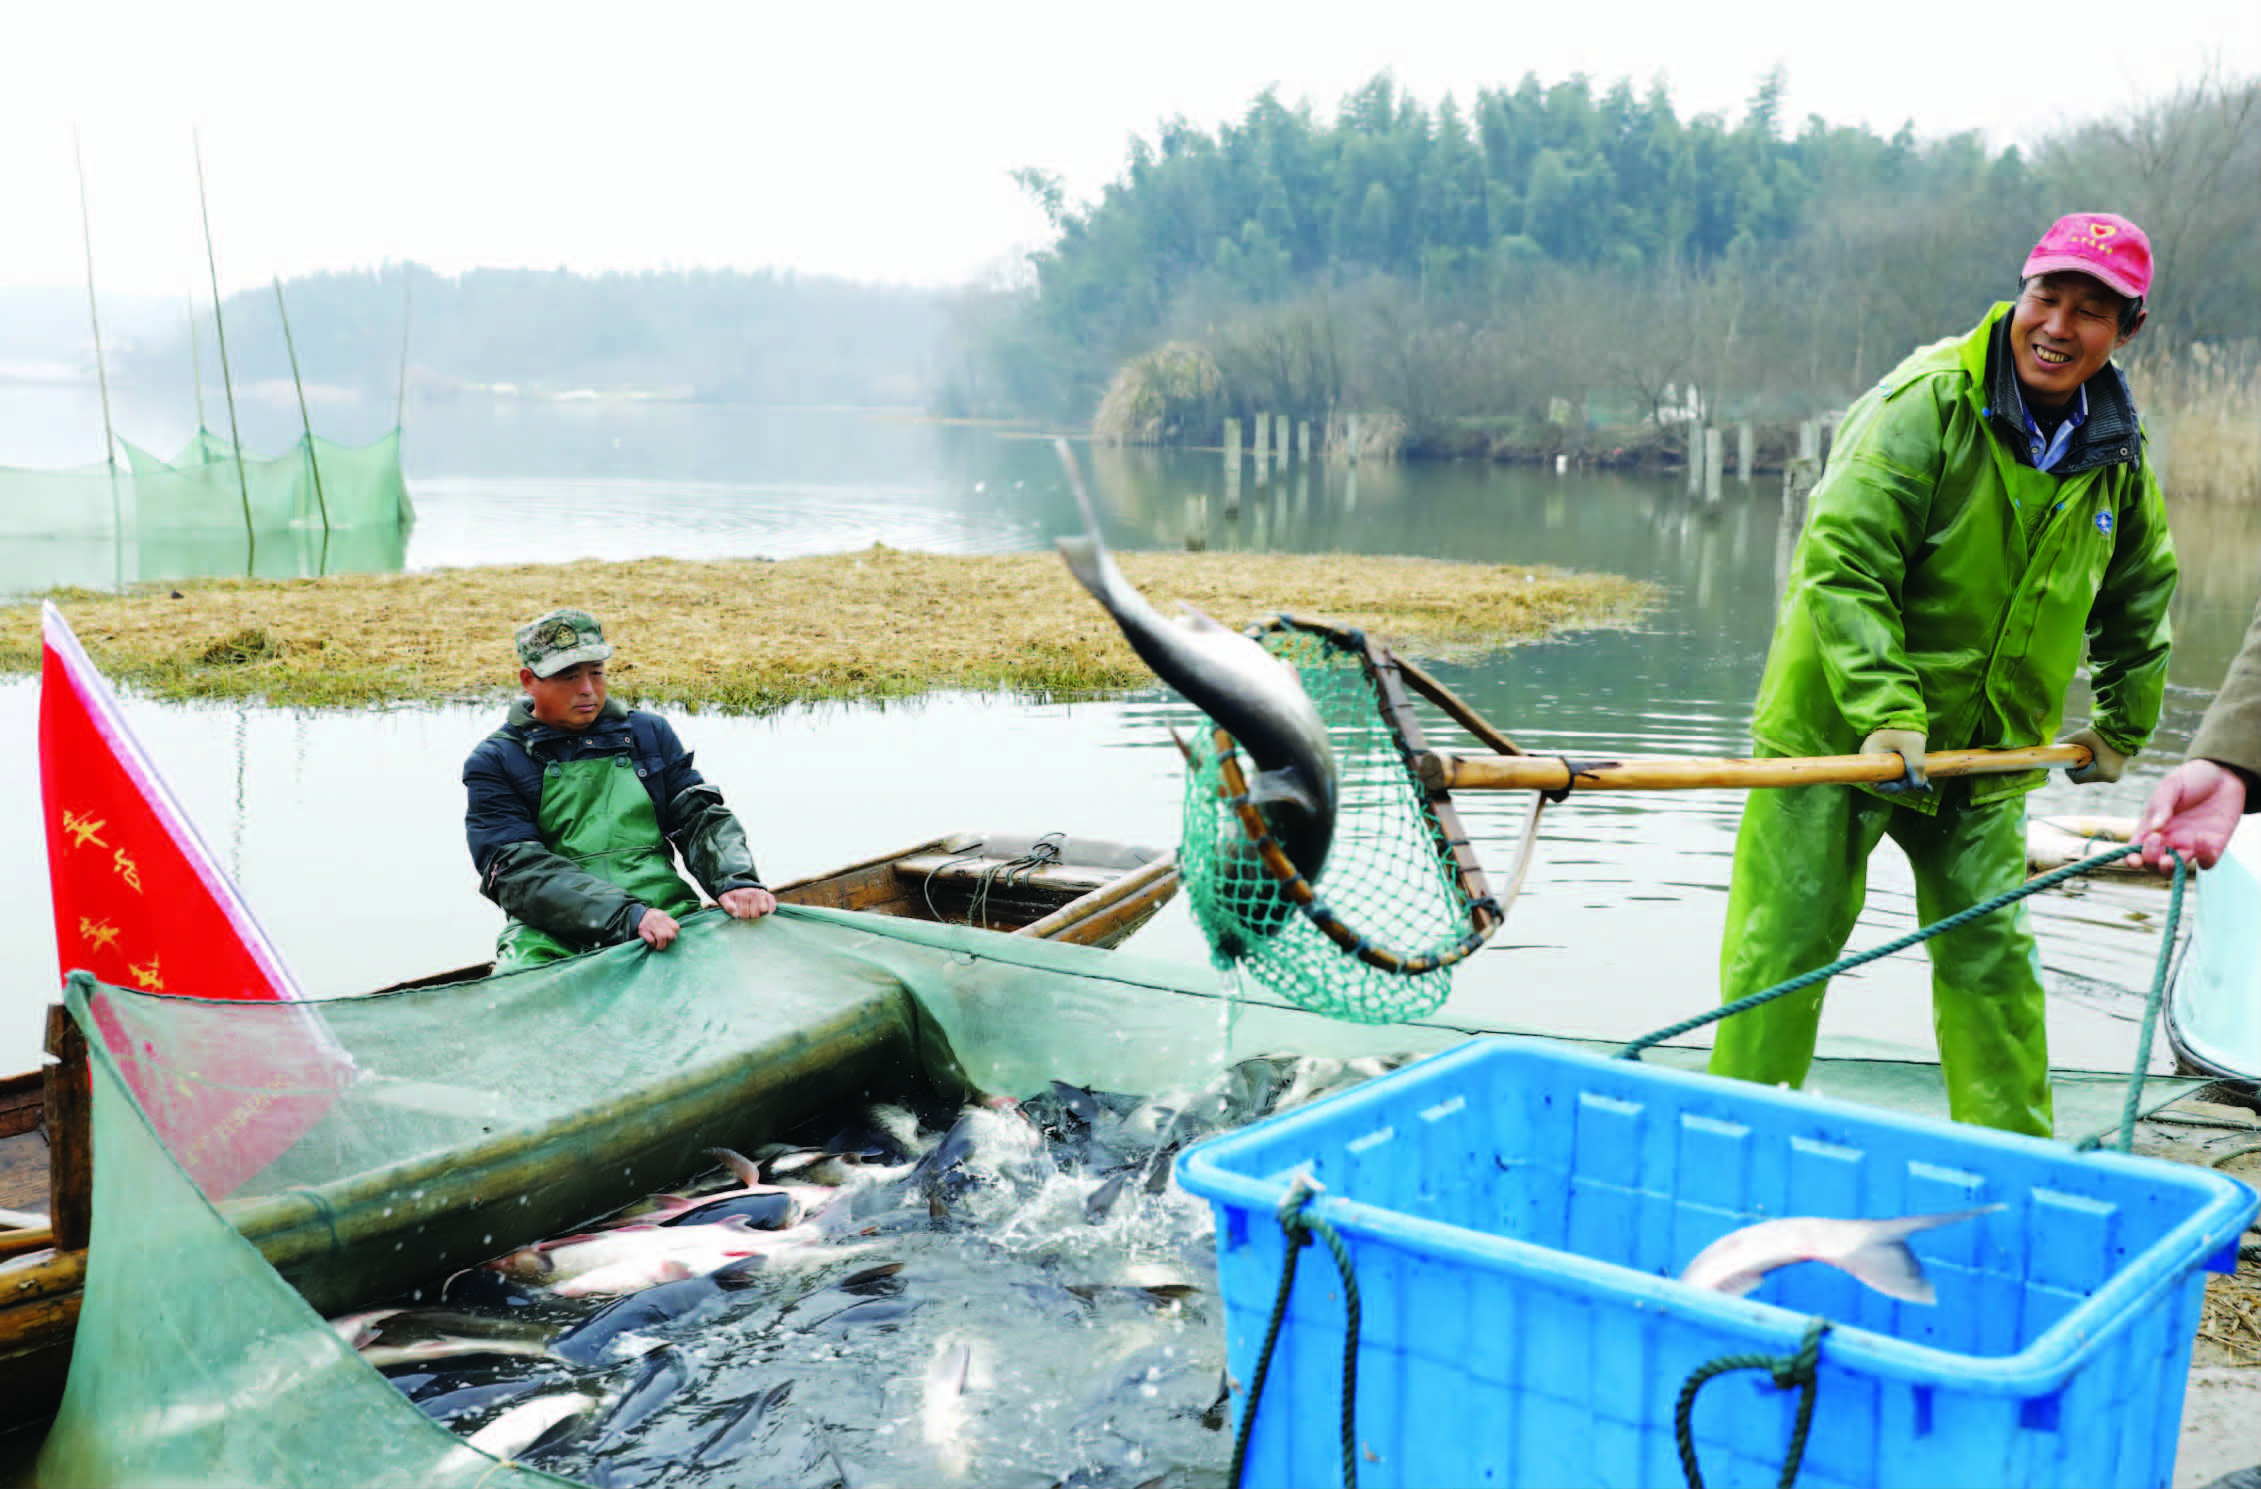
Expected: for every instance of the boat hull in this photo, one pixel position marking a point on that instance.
(2214, 1002)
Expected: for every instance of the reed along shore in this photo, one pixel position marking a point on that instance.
(751, 635)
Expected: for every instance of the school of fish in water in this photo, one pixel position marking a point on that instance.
(1010, 1293)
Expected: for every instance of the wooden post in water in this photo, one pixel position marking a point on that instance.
(1352, 424)
(1715, 461)
(1263, 447)
(1280, 436)
(1744, 443)
(1303, 441)
(1196, 522)
(1232, 467)
(70, 1132)
(1695, 455)
(1809, 439)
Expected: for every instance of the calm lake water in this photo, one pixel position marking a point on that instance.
(345, 829)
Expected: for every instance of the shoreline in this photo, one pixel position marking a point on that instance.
(755, 635)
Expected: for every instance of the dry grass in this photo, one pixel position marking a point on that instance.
(2204, 404)
(2229, 1326)
(750, 636)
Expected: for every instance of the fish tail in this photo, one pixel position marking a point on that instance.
(1885, 1263)
(746, 1170)
(1082, 554)
(1891, 1268)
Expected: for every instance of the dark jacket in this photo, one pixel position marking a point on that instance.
(517, 870)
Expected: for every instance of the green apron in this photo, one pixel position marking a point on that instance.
(596, 815)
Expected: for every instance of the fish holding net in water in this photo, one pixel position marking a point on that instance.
(1001, 1291)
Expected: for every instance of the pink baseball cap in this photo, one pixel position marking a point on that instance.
(2104, 245)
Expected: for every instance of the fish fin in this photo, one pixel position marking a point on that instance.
(1197, 619)
(743, 1272)
(1911, 1224)
(1283, 786)
(739, 1164)
(1889, 1267)
(1082, 555)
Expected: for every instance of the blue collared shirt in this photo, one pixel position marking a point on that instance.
(2049, 450)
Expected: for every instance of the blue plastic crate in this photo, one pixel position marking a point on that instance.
(1518, 1214)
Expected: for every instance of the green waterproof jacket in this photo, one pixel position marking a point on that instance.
(1943, 584)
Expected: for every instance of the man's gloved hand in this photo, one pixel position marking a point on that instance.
(1908, 745)
(2105, 763)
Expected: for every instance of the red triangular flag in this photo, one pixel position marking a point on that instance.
(141, 903)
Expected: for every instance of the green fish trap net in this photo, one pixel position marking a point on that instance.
(1400, 899)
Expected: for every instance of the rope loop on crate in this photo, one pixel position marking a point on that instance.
(1299, 1225)
(1787, 1370)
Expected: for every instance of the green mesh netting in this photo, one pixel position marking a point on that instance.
(483, 1115)
(1389, 878)
(315, 480)
(202, 490)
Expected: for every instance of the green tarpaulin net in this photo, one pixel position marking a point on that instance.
(204, 489)
(417, 1131)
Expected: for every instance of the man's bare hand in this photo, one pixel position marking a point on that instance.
(2193, 811)
(750, 903)
(658, 929)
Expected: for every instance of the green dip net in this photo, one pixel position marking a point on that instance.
(1400, 899)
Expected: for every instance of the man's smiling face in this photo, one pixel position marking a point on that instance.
(2063, 330)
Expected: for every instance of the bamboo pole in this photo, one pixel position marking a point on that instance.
(227, 385)
(407, 300)
(101, 373)
(1135, 884)
(195, 361)
(305, 422)
(39, 1237)
(1552, 773)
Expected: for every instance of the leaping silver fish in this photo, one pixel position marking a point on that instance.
(1253, 695)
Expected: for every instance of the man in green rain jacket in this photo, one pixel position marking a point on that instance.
(578, 804)
(1987, 509)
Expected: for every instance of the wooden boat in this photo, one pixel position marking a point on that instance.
(2053, 842)
(2214, 999)
(1089, 892)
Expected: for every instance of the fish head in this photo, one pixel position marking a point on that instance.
(527, 1264)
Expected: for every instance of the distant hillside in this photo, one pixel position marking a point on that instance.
(44, 331)
(721, 336)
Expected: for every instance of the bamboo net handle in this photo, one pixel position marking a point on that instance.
(1554, 773)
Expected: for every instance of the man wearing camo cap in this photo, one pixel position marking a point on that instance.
(579, 803)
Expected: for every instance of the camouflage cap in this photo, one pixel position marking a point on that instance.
(548, 644)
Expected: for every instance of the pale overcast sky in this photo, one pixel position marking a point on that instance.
(871, 141)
